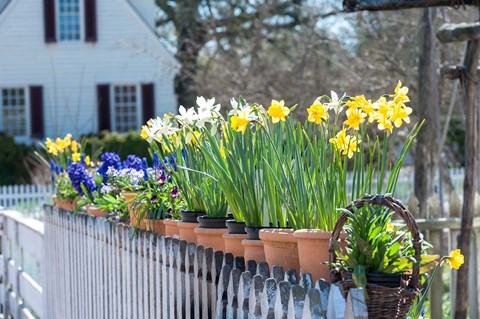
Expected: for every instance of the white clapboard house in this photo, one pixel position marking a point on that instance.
(81, 66)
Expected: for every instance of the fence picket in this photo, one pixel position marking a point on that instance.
(281, 301)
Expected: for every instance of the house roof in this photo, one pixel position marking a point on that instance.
(3, 4)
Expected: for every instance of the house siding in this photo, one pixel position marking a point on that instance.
(126, 51)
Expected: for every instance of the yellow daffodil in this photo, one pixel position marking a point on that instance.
(455, 259)
(400, 114)
(385, 124)
(384, 109)
(87, 160)
(400, 96)
(277, 111)
(74, 146)
(240, 120)
(144, 133)
(351, 143)
(339, 141)
(61, 145)
(317, 112)
(390, 227)
(76, 157)
(355, 117)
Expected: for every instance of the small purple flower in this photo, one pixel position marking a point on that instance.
(153, 200)
(134, 162)
(174, 192)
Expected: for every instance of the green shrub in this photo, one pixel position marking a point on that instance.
(13, 157)
(122, 143)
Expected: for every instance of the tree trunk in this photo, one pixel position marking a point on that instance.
(470, 82)
(190, 39)
(425, 153)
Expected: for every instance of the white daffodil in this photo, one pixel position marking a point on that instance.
(335, 102)
(186, 116)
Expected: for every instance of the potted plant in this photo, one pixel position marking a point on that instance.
(58, 154)
(236, 159)
(318, 154)
(125, 178)
(158, 199)
(383, 260)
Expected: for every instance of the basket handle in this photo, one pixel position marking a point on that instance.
(394, 205)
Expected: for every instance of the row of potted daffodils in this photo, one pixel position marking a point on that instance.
(282, 180)
(254, 182)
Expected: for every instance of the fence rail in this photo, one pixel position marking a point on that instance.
(20, 261)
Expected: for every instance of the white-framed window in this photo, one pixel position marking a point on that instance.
(126, 110)
(13, 111)
(69, 20)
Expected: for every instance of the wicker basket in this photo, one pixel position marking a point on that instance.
(383, 302)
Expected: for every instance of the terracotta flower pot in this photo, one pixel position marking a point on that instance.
(313, 252)
(64, 204)
(253, 250)
(211, 237)
(187, 231)
(171, 227)
(156, 226)
(96, 211)
(280, 248)
(233, 244)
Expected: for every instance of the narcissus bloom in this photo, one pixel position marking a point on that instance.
(241, 118)
(401, 114)
(455, 259)
(317, 112)
(76, 157)
(277, 111)
(355, 117)
(400, 96)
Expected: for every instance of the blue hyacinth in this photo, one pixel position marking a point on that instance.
(145, 169)
(78, 175)
(134, 162)
(109, 159)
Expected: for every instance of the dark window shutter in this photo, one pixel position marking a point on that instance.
(148, 101)
(36, 111)
(90, 21)
(49, 20)
(103, 102)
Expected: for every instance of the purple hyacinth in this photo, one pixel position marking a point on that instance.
(78, 175)
(134, 162)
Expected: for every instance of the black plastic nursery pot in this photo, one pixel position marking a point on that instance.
(190, 216)
(253, 232)
(212, 222)
(384, 280)
(235, 227)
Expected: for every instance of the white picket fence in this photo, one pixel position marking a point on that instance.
(27, 199)
(21, 259)
(97, 269)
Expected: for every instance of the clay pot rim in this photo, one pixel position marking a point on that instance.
(170, 221)
(186, 224)
(277, 235)
(233, 236)
(212, 231)
(316, 234)
(252, 242)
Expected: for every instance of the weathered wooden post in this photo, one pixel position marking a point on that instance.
(468, 76)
